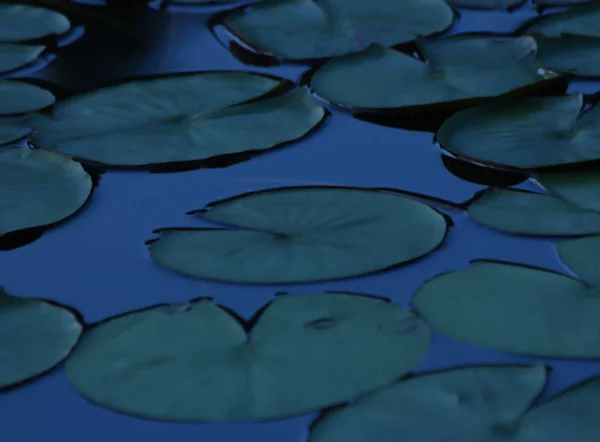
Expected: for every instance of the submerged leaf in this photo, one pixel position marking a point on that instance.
(20, 22)
(302, 234)
(34, 337)
(195, 362)
(17, 97)
(15, 56)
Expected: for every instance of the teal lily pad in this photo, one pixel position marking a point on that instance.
(550, 314)
(17, 97)
(34, 337)
(21, 22)
(582, 20)
(579, 56)
(13, 129)
(308, 29)
(15, 56)
(527, 133)
(458, 69)
(180, 118)
(503, 5)
(196, 362)
(38, 188)
(472, 404)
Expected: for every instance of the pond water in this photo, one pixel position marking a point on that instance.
(98, 262)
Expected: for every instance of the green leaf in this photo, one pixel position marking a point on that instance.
(177, 119)
(503, 5)
(472, 404)
(458, 68)
(581, 255)
(12, 129)
(302, 234)
(525, 134)
(309, 29)
(38, 188)
(576, 211)
(34, 337)
(581, 20)
(19, 22)
(554, 3)
(17, 97)
(570, 54)
(14, 56)
(195, 362)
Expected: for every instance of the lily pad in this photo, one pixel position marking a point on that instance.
(503, 5)
(525, 134)
(573, 55)
(34, 337)
(554, 3)
(180, 118)
(472, 404)
(196, 362)
(574, 211)
(302, 234)
(583, 20)
(38, 188)
(520, 309)
(457, 68)
(17, 97)
(15, 56)
(12, 129)
(20, 22)
(309, 29)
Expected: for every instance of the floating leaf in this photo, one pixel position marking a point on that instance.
(12, 129)
(458, 68)
(527, 133)
(19, 22)
(38, 188)
(554, 3)
(504, 5)
(309, 29)
(195, 362)
(17, 97)
(582, 20)
(34, 337)
(575, 212)
(15, 56)
(301, 234)
(570, 54)
(548, 314)
(472, 404)
(177, 119)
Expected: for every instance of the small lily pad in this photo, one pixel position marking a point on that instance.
(15, 56)
(579, 56)
(20, 22)
(34, 337)
(457, 69)
(302, 234)
(17, 97)
(196, 362)
(38, 188)
(309, 29)
(583, 20)
(520, 309)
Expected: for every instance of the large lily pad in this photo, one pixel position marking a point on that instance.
(472, 404)
(301, 234)
(573, 55)
(38, 188)
(574, 211)
(525, 134)
(17, 97)
(520, 309)
(20, 22)
(177, 119)
(309, 29)
(195, 362)
(458, 68)
(581, 20)
(34, 337)
(15, 56)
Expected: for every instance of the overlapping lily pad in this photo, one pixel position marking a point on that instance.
(34, 337)
(573, 55)
(526, 134)
(38, 188)
(12, 129)
(505, 5)
(458, 69)
(21, 22)
(574, 210)
(520, 309)
(17, 97)
(174, 119)
(15, 56)
(308, 29)
(302, 234)
(471, 404)
(581, 20)
(196, 362)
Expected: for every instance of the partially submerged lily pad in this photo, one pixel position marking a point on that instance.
(34, 337)
(457, 69)
(527, 133)
(21, 22)
(472, 404)
(38, 188)
(196, 362)
(520, 309)
(302, 234)
(574, 210)
(180, 118)
(308, 29)
(579, 56)
(583, 20)
(17, 97)
(15, 56)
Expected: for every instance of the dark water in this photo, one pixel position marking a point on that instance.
(98, 262)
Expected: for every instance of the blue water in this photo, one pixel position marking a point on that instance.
(98, 263)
